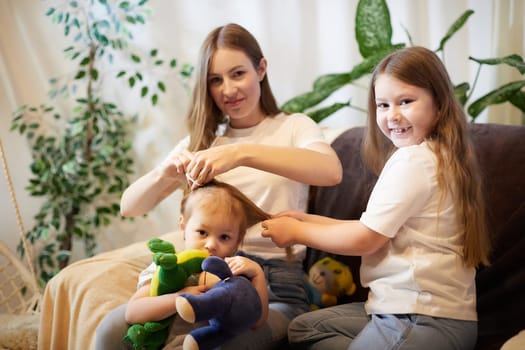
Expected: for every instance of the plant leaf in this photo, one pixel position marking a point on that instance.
(373, 29)
(518, 100)
(460, 91)
(322, 113)
(515, 61)
(504, 93)
(454, 28)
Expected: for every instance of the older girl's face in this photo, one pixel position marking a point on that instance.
(406, 113)
(234, 85)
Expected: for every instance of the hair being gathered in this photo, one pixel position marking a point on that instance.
(458, 171)
(240, 206)
(204, 117)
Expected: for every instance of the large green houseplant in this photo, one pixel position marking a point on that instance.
(373, 33)
(82, 156)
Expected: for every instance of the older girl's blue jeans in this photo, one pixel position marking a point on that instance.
(349, 327)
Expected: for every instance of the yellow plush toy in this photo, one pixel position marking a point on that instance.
(327, 280)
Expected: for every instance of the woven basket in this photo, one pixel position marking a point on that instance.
(18, 293)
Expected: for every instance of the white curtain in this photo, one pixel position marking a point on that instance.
(302, 39)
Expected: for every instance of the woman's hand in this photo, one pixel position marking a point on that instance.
(175, 164)
(206, 164)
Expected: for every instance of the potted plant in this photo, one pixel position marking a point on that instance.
(82, 158)
(373, 33)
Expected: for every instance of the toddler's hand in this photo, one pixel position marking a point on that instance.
(241, 265)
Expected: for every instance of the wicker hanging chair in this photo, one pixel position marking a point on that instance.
(20, 293)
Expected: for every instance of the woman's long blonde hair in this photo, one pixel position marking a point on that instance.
(458, 171)
(204, 117)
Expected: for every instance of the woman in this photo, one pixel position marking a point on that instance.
(238, 135)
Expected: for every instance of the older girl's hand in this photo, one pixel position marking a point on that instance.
(282, 230)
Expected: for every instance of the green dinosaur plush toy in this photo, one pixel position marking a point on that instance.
(173, 269)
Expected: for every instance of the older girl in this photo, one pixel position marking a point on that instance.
(423, 231)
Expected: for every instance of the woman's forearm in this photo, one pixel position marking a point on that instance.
(146, 193)
(317, 165)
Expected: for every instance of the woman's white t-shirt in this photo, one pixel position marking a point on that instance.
(272, 193)
(420, 270)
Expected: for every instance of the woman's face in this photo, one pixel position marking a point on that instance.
(234, 85)
(406, 113)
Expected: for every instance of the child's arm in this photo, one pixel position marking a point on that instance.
(142, 307)
(243, 266)
(344, 237)
(305, 217)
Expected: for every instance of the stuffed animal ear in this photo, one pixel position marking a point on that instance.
(208, 279)
(217, 266)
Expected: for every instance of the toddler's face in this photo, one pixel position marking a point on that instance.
(217, 231)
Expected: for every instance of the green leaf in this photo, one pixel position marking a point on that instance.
(454, 28)
(322, 113)
(518, 100)
(187, 70)
(50, 11)
(80, 74)
(173, 63)
(63, 255)
(131, 81)
(154, 99)
(302, 102)
(502, 94)
(461, 91)
(121, 73)
(161, 86)
(94, 74)
(144, 91)
(140, 19)
(373, 29)
(85, 61)
(135, 58)
(515, 61)
(153, 53)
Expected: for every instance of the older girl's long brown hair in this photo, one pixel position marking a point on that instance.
(458, 171)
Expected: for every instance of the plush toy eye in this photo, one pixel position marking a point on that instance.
(338, 271)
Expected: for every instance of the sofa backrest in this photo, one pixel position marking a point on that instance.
(500, 287)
